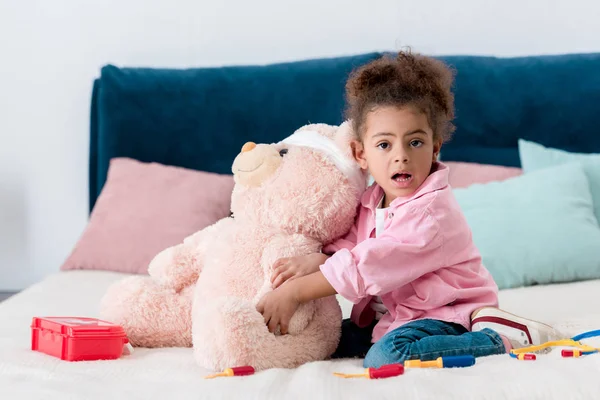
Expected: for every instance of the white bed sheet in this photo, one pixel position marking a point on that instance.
(171, 373)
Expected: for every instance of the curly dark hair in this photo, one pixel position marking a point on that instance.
(404, 80)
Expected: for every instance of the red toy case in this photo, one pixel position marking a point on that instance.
(77, 338)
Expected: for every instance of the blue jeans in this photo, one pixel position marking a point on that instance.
(425, 339)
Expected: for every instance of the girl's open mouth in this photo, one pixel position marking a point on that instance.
(403, 177)
(402, 180)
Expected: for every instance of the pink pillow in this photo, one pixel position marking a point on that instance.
(145, 208)
(463, 174)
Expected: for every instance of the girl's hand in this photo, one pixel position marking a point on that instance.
(377, 305)
(295, 267)
(278, 308)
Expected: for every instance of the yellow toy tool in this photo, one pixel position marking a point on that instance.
(575, 341)
(442, 362)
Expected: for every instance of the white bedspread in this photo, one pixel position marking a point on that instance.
(171, 373)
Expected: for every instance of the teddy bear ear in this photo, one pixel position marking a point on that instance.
(343, 137)
(328, 131)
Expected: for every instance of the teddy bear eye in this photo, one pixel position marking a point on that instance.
(283, 152)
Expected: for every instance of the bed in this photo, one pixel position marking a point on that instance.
(171, 372)
(199, 118)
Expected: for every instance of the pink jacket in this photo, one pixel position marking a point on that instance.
(423, 265)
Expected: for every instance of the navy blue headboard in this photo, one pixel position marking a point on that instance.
(199, 118)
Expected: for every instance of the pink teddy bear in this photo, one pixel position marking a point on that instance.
(290, 198)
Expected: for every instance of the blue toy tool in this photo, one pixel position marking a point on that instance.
(442, 362)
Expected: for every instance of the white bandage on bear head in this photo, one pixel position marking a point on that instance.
(330, 148)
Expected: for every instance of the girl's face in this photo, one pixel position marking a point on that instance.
(397, 149)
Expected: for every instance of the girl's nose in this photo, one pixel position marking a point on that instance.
(402, 157)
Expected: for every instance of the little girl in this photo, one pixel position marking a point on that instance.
(410, 254)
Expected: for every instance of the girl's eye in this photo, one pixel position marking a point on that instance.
(283, 152)
(416, 143)
(383, 145)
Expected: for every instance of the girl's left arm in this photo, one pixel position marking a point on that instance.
(312, 287)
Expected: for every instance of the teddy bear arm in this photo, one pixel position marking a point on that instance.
(285, 246)
(175, 267)
(180, 265)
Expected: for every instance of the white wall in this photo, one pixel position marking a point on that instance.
(51, 50)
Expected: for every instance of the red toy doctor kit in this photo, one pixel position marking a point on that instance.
(78, 338)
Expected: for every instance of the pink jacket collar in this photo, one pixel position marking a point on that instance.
(437, 180)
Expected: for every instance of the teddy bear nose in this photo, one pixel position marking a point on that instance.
(248, 146)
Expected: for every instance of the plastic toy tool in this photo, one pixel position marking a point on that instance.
(442, 362)
(524, 356)
(580, 349)
(576, 353)
(385, 371)
(236, 371)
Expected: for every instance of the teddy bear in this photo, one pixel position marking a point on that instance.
(290, 198)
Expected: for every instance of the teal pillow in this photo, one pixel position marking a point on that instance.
(534, 156)
(538, 228)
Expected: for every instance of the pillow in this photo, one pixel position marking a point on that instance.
(535, 156)
(464, 174)
(538, 228)
(145, 208)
